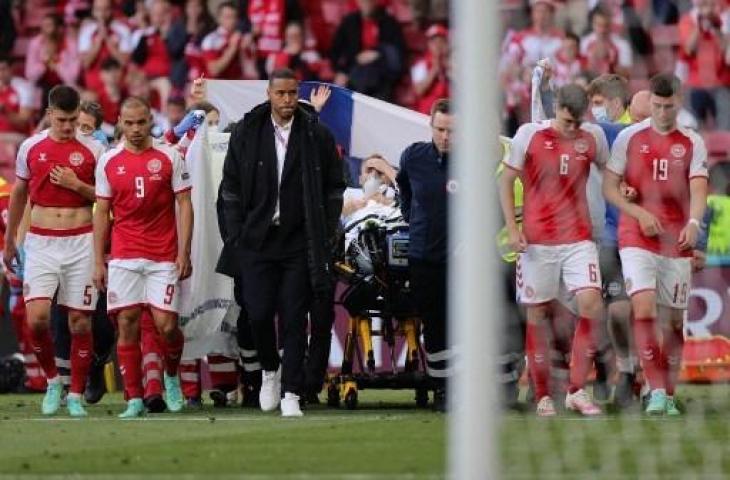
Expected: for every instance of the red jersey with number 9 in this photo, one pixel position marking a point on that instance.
(141, 188)
(554, 172)
(659, 166)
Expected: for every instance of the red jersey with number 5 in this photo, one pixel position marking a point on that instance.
(554, 172)
(659, 166)
(142, 188)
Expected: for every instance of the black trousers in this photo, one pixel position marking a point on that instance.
(321, 319)
(250, 366)
(278, 285)
(428, 287)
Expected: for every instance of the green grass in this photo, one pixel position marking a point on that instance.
(377, 440)
(385, 438)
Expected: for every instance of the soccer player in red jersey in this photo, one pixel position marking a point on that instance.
(140, 183)
(667, 165)
(59, 243)
(553, 159)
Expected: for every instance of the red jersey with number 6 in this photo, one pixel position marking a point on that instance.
(554, 172)
(660, 167)
(142, 188)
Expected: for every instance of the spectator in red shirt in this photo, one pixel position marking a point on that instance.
(198, 23)
(430, 75)
(53, 58)
(305, 63)
(368, 51)
(112, 91)
(568, 61)
(102, 38)
(222, 48)
(605, 51)
(704, 52)
(16, 103)
(268, 20)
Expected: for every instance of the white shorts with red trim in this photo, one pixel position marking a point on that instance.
(135, 282)
(63, 261)
(669, 277)
(542, 268)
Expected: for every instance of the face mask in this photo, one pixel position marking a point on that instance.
(600, 114)
(213, 128)
(372, 185)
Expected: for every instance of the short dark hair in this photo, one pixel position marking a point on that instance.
(610, 86)
(226, 5)
(282, 74)
(207, 107)
(131, 102)
(176, 100)
(63, 97)
(442, 105)
(93, 109)
(110, 63)
(572, 36)
(665, 85)
(573, 98)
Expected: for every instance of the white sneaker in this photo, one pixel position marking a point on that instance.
(546, 407)
(290, 406)
(270, 393)
(580, 402)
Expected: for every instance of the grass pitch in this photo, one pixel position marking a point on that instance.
(386, 438)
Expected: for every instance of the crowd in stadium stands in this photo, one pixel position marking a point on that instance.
(155, 48)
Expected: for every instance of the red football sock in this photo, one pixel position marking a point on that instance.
(130, 364)
(651, 356)
(151, 357)
(82, 352)
(536, 344)
(42, 345)
(672, 349)
(582, 354)
(190, 378)
(173, 351)
(223, 372)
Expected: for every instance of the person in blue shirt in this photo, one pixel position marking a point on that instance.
(423, 184)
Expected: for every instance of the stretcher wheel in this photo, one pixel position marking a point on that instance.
(351, 399)
(421, 397)
(333, 396)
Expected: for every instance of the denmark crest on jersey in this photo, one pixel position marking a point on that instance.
(154, 165)
(678, 150)
(581, 145)
(76, 159)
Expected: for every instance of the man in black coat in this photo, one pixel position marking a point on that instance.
(282, 197)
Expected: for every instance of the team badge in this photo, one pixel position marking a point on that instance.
(581, 145)
(614, 289)
(529, 292)
(185, 175)
(549, 145)
(678, 150)
(112, 297)
(76, 159)
(154, 165)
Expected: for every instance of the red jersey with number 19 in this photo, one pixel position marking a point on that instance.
(554, 172)
(142, 188)
(659, 166)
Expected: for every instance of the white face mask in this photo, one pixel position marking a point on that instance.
(213, 128)
(372, 185)
(600, 114)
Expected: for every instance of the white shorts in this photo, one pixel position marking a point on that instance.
(140, 282)
(62, 263)
(669, 277)
(542, 268)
